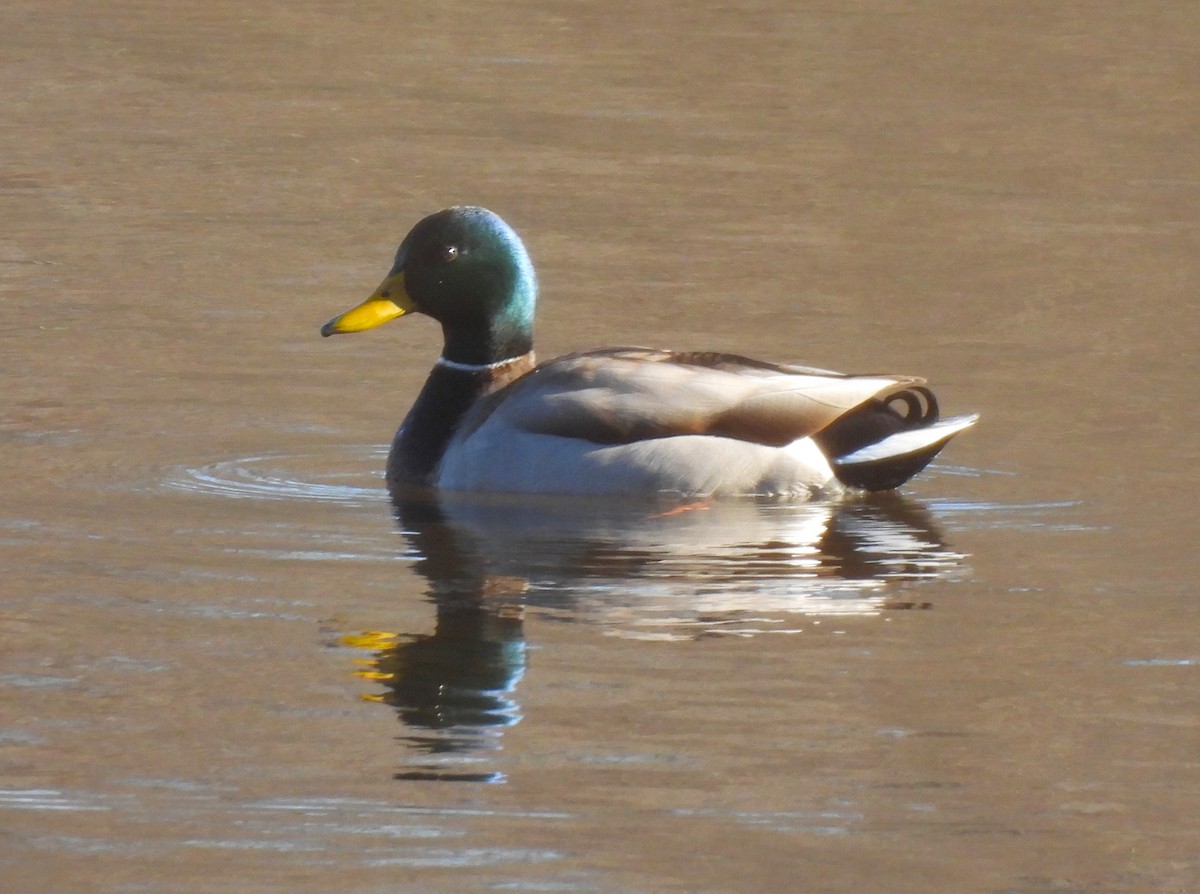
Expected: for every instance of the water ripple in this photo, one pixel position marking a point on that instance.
(347, 476)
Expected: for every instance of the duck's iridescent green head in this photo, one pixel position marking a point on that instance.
(466, 268)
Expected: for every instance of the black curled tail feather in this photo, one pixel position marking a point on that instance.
(920, 405)
(911, 407)
(886, 441)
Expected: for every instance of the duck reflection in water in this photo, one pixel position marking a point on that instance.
(643, 571)
(453, 688)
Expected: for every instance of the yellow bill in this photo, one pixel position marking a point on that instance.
(389, 301)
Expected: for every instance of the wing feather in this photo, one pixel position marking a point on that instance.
(624, 395)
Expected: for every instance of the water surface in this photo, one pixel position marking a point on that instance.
(228, 662)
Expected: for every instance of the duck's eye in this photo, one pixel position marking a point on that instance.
(446, 253)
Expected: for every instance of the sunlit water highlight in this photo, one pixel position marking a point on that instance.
(640, 571)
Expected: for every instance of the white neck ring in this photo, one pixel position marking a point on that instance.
(476, 367)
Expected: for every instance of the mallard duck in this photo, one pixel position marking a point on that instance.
(620, 421)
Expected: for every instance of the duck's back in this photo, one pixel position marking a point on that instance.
(641, 421)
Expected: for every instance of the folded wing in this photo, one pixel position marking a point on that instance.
(629, 394)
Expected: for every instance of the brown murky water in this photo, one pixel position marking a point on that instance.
(225, 666)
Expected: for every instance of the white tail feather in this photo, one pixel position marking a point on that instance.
(907, 442)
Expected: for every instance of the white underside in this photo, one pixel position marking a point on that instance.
(512, 461)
